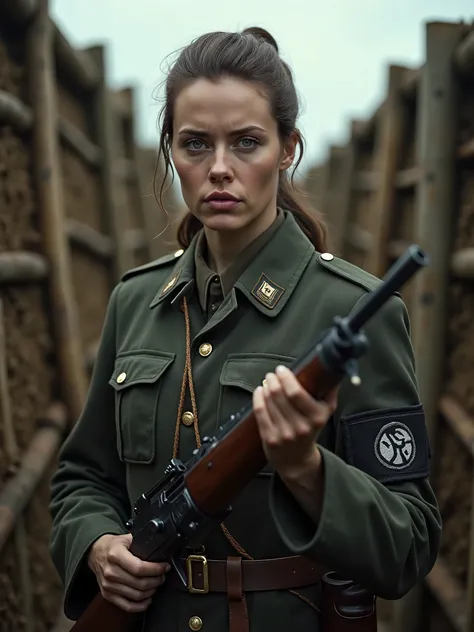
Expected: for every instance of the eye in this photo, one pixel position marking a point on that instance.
(194, 144)
(248, 142)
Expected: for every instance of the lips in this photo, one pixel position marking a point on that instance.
(221, 196)
(222, 201)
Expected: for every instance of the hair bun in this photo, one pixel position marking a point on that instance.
(262, 34)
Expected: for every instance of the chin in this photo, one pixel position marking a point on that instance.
(223, 222)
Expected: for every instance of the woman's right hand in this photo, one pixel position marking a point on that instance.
(124, 579)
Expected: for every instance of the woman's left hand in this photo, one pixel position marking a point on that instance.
(289, 421)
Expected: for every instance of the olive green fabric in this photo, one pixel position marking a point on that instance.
(213, 288)
(382, 535)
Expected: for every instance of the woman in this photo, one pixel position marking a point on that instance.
(190, 339)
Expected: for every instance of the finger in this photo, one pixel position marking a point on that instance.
(280, 410)
(299, 397)
(114, 573)
(125, 604)
(126, 591)
(121, 556)
(266, 427)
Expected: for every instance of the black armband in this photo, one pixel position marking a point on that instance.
(391, 445)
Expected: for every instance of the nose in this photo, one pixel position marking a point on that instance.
(220, 168)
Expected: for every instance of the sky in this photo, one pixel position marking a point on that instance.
(339, 50)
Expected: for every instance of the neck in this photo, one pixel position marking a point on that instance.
(223, 247)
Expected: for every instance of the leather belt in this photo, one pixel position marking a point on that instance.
(236, 576)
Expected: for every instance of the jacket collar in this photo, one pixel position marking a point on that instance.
(267, 282)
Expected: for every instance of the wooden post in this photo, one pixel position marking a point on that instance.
(103, 128)
(436, 144)
(13, 456)
(388, 138)
(47, 176)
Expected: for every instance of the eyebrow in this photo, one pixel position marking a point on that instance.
(201, 132)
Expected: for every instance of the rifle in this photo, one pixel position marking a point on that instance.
(192, 498)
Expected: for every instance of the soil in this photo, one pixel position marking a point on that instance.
(17, 219)
(81, 186)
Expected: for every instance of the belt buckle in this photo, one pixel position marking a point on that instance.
(205, 574)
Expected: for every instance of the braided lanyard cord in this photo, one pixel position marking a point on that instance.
(188, 381)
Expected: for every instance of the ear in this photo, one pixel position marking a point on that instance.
(289, 151)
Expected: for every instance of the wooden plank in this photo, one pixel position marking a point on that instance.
(75, 139)
(359, 238)
(75, 64)
(365, 181)
(449, 594)
(22, 267)
(436, 114)
(407, 178)
(388, 141)
(466, 150)
(89, 238)
(15, 113)
(464, 56)
(411, 82)
(462, 263)
(459, 421)
(48, 182)
(113, 222)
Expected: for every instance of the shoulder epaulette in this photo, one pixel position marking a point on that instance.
(152, 265)
(349, 271)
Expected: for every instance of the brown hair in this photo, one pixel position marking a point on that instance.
(253, 56)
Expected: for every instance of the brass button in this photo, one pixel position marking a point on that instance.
(179, 252)
(195, 623)
(205, 349)
(121, 378)
(327, 256)
(187, 418)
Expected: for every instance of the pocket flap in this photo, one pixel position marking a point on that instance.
(248, 370)
(139, 368)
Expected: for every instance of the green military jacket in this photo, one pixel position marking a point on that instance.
(379, 523)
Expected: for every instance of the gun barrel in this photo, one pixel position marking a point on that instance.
(402, 270)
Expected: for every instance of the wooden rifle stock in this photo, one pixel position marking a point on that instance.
(225, 464)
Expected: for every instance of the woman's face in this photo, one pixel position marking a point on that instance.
(228, 154)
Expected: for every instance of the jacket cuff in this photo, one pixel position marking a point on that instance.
(296, 528)
(82, 586)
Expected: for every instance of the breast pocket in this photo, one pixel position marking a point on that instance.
(137, 381)
(240, 376)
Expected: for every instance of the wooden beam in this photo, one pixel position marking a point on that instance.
(407, 178)
(436, 115)
(48, 182)
(22, 267)
(14, 113)
(74, 138)
(359, 238)
(89, 238)
(411, 82)
(113, 222)
(17, 491)
(459, 421)
(466, 150)
(462, 263)
(449, 594)
(387, 151)
(75, 64)
(365, 181)
(396, 248)
(464, 56)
